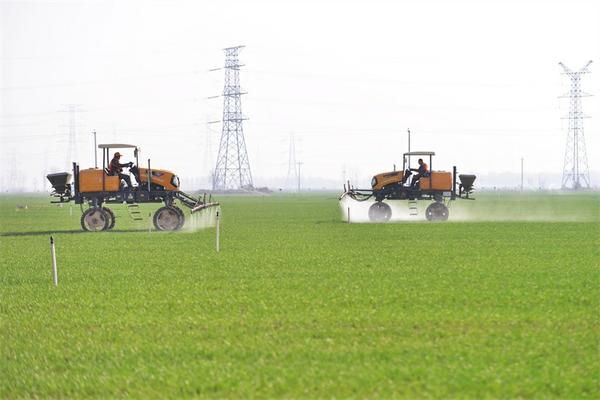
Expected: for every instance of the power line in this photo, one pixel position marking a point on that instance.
(166, 75)
(160, 103)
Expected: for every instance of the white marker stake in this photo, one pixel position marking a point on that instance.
(54, 270)
(218, 233)
(348, 214)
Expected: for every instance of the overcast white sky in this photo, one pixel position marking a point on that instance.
(476, 81)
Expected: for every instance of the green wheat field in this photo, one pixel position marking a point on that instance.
(502, 302)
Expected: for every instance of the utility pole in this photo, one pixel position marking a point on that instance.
(95, 150)
(408, 130)
(299, 166)
(521, 174)
(13, 175)
(292, 174)
(576, 174)
(208, 154)
(45, 171)
(233, 167)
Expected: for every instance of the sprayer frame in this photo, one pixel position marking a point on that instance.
(145, 192)
(398, 191)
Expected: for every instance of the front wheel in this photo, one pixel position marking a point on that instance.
(380, 212)
(437, 212)
(168, 219)
(95, 219)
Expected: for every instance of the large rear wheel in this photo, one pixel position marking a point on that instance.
(168, 219)
(437, 212)
(95, 219)
(380, 212)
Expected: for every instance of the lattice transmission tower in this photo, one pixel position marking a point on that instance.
(576, 174)
(292, 175)
(73, 125)
(233, 167)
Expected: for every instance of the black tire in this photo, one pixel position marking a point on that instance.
(168, 219)
(437, 212)
(111, 216)
(380, 212)
(180, 211)
(95, 219)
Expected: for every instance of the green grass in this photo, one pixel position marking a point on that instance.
(299, 304)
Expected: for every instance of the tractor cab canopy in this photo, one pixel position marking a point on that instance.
(117, 146)
(106, 148)
(406, 159)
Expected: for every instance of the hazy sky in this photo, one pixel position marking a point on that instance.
(476, 81)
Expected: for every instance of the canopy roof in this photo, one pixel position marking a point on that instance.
(117, 146)
(420, 153)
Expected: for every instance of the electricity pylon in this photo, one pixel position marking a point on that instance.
(576, 174)
(233, 167)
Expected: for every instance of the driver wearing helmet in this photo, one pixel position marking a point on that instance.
(116, 168)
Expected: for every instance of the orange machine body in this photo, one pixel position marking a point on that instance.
(437, 180)
(386, 178)
(167, 179)
(96, 180)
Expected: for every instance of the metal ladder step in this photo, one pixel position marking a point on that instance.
(412, 207)
(134, 212)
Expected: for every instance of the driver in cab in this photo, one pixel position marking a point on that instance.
(116, 168)
(421, 171)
